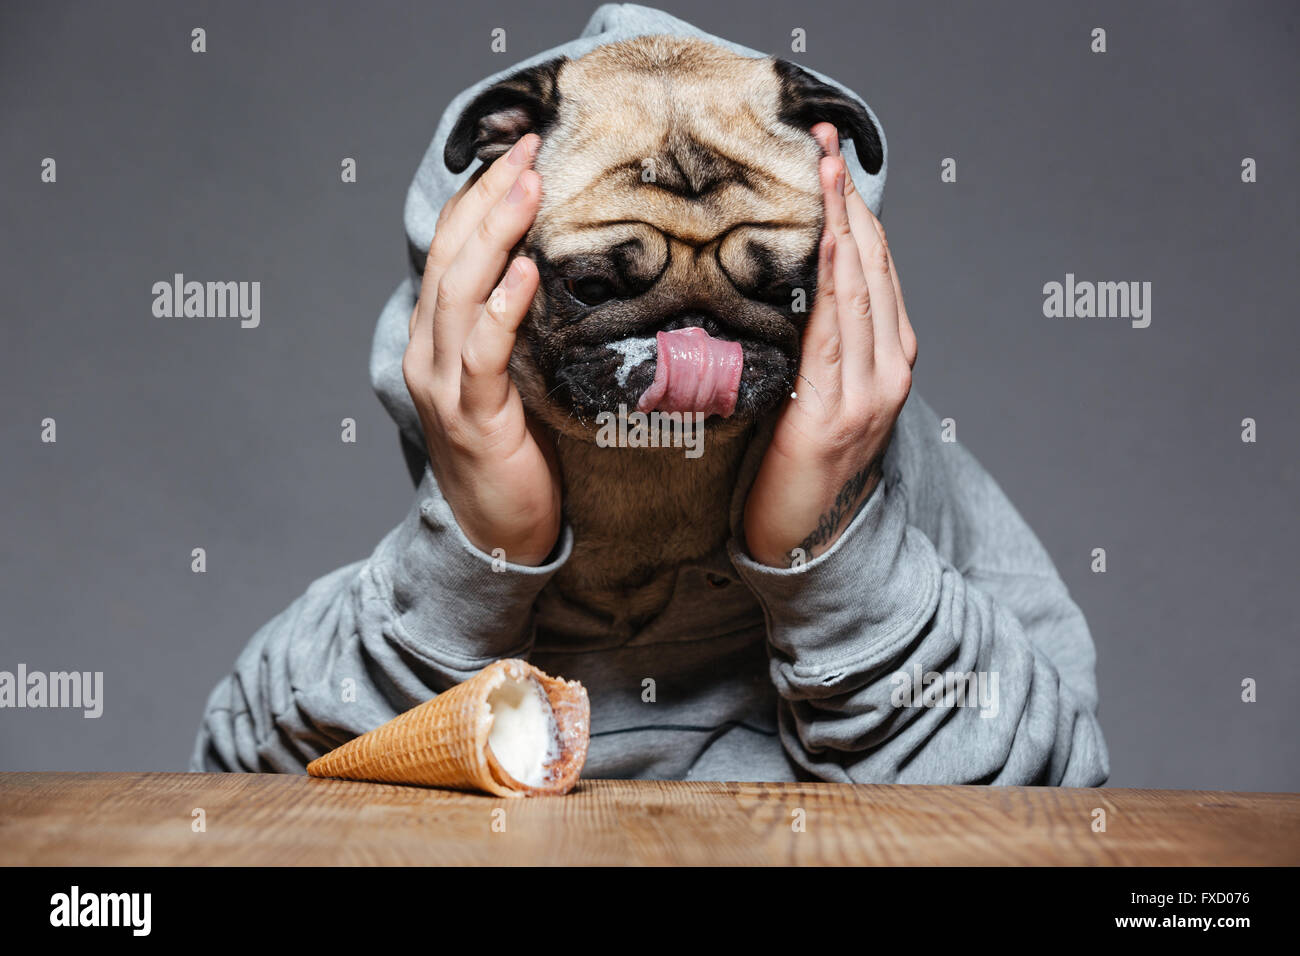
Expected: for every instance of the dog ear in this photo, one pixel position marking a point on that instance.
(806, 101)
(525, 102)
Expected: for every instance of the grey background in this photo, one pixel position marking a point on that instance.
(174, 434)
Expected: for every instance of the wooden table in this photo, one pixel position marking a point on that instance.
(250, 819)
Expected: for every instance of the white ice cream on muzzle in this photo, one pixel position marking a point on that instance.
(523, 738)
(633, 351)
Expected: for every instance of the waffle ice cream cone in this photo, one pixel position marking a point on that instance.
(444, 742)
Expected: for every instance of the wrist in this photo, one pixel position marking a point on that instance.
(815, 530)
(520, 532)
(840, 511)
(525, 534)
(531, 549)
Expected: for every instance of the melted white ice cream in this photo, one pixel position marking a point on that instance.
(634, 351)
(523, 736)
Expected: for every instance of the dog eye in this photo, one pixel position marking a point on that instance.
(589, 290)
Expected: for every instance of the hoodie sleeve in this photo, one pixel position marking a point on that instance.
(426, 611)
(938, 588)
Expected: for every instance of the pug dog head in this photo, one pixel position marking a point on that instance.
(678, 230)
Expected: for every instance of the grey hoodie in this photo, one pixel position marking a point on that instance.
(934, 642)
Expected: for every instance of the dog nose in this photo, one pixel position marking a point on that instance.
(692, 320)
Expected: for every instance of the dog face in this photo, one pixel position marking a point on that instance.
(680, 191)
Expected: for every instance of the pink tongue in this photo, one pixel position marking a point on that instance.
(694, 373)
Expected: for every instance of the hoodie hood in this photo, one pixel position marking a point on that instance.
(434, 184)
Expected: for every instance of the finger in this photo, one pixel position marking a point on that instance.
(884, 304)
(820, 347)
(821, 343)
(865, 224)
(450, 205)
(417, 360)
(421, 327)
(472, 274)
(479, 194)
(485, 356)
(434, 265)
(457, 218)
(853, 296)
(906, 334)
(828, 138)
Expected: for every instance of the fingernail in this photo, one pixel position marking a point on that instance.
(512, 276)
(839, 181)
(517, 192)
(522, 151)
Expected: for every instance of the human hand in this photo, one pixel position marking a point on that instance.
(495, 468)
(854, 376)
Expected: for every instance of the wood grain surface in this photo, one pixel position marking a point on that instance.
(267, 819)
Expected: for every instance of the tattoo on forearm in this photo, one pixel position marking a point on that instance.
(847, 504)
